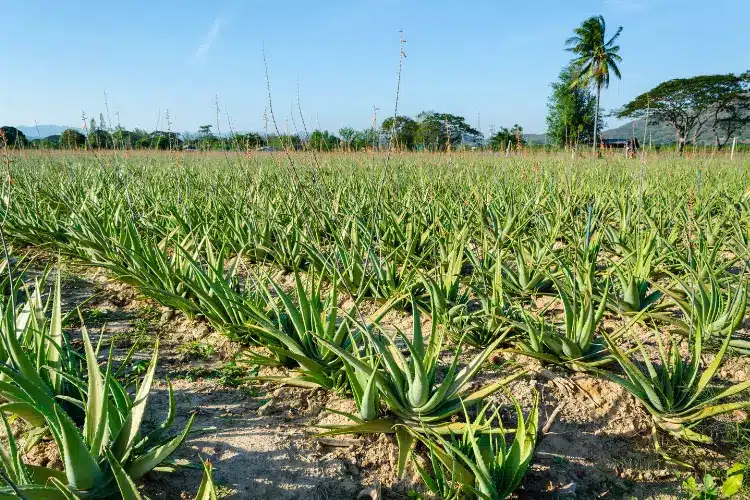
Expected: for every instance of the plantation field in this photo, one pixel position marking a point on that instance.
(441, 325)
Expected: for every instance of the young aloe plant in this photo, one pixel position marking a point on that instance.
(158, 267)
(635, 272)
(33, 343)
(479, 461)
(713, 308)
(110, 443)
(216, 294)
(704, 254)
(23, 480)
(575, 345)
(438, 479)
(446, 286)
(295, 331)
(392, 277)
(287, 245)
(40, 483)
(506, 218)
(404, 234)
(492, 318)
(676, 391)
(409, 386)
(740, 236)
(533, 260)
(348, 265)
(207, 489)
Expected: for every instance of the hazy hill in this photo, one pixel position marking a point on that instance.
(661, 133)
(41, 131)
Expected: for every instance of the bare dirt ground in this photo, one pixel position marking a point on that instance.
(260, 437)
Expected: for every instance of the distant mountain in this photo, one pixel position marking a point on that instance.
(660, 133)
(42, 131)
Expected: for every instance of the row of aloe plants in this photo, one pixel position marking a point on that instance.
(601, 259)
(331, 348)
(378, 247)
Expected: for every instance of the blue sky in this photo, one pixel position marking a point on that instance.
(496, 58)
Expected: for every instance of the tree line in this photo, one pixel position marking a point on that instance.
(428, 130)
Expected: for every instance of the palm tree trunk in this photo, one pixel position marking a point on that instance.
(596, 116)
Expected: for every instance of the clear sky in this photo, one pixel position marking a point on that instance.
(496, 58)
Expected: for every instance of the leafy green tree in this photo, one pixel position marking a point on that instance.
(323, 141)
(404, 131)
(123, 138)
(100, 139)
(248, 141)
(164, 140)
(505, 137)
(517, 132)
(731, 111)
(595, 58)
(499, 140)
(571, 110)
(143, 142)
(347, 135)
(206, 138)
(72, 139)
(367, 138)
(12, 137)
(439, 131)
(688, 104)
(49, 142)
(284, 141)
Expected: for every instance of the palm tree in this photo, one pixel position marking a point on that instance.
(595, 58)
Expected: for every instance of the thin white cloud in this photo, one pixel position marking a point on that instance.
(208, 40)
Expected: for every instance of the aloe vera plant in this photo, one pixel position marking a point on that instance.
(410, 387)
(479, 462)
(34, 344)
(293, 333)
(39, 483)
(635, 272)
(446, 285)
(676, 391)
(287, 245)
(530, 274)
(109, 451)
(575, 345)
(298, 333)
(348, 264)
(491, 316)
(716, 310)
(506, 220)
(185, 235)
